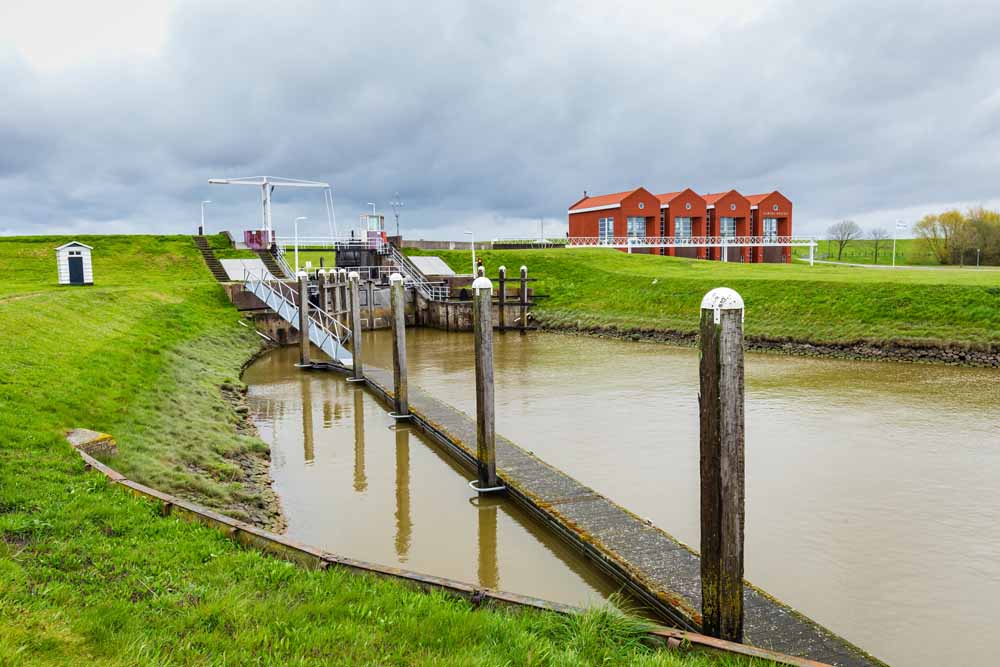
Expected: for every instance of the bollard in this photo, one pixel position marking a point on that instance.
(482, 320)
(502, 299)
(303, 318)
(523, 297)
(397, 298)
(359, 367)
(722, 464)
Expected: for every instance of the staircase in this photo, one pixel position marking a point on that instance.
(325, 332)
(214, 265)
(271, 264)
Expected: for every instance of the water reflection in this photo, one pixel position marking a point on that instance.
(360, 479)
(488, 567)
(357, 484)
(404, 523)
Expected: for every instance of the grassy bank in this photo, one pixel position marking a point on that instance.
(908, 253)
(89, 575)
(822, 304)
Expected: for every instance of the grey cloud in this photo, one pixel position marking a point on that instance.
(492, 115)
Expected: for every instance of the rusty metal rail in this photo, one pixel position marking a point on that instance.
(311, 557)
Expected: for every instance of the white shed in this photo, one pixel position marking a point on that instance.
(75, 267)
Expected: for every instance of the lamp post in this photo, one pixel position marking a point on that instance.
(396, 204)
(207, 201)
(301, 217)
(473, 243)
(977, 258)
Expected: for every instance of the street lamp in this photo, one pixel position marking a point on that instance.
(473, 238)
(207, 201)
(301, 217)
(396, 204)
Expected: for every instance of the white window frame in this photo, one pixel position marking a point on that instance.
(682, 227)
(635, 227)
(773, 231)
(605, 230)
(727, 227)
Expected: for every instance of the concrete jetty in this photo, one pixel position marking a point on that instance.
(653, 565)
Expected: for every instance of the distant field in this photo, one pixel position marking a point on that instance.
(606, 288)
(908, 252)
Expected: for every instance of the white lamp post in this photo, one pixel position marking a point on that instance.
(473, 238)
(301, 217)
(207, 201)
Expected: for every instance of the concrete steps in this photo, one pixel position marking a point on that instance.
(271, 263)
(213, 263)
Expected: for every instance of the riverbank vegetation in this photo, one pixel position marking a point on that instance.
(91, 575)
(598, 288)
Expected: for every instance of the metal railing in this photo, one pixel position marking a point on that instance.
(325, 331)
(686, 242)
(414, 276)
(334, 243)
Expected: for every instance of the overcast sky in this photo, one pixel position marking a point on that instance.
(489, 115)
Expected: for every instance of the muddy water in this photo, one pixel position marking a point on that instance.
(873, 489)
(352, 482)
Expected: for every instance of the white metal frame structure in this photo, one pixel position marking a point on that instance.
(267, 185)
(630, 242)
(325, 331)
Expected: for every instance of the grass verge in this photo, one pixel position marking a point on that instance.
(822, 304)
(90, 575)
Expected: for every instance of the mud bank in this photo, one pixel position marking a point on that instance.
(954, 354)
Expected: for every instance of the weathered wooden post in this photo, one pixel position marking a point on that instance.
(523, 297)
(722, 464)
(335, 296)
(324, 294)
(502, 298)
(345, 314)
(371, 304)
(482, 323)
(397, 298)
(303, 318)
(356, 352)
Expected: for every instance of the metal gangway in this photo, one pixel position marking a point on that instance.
(325, 331)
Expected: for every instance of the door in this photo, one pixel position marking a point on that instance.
(76, 270)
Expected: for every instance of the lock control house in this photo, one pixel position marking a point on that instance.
(725, 226)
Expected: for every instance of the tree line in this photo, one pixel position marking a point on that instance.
(951, 237)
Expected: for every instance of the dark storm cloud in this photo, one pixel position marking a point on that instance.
(491, 115)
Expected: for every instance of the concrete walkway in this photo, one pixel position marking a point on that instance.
(655, 566)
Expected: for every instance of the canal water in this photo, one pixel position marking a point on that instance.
(873, 489)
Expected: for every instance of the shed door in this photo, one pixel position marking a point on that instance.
(76, 270)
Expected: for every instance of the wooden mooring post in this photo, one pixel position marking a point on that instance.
(356, 352)
(502, 299)
(303, 318)
(722, 464)
(523, 298)
(397, 298)
(370, 284)
(486, 447)
(324, 294)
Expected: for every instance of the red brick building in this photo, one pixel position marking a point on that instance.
(685, 224)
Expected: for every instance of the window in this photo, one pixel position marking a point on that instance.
(727, 227)
(663, 223)
(770, 227)
(636, 227)
(605, 230)
(682, 228)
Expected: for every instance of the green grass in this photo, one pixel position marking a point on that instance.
(908, 253)
(92, 576)
(822, 304)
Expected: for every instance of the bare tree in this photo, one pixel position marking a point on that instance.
(842, 233)
(879, 238)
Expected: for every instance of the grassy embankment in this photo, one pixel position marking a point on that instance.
(596, 288)
(908, 253)
(90, 575)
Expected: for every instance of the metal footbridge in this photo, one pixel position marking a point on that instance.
(325, 331)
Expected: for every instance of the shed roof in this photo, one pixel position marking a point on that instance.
(74, 243)
(431, 265)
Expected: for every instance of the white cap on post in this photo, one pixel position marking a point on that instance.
(502, 269)
(395, 278)
(354, 275)
(482, 282)
(301, 274)
(722, 298)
